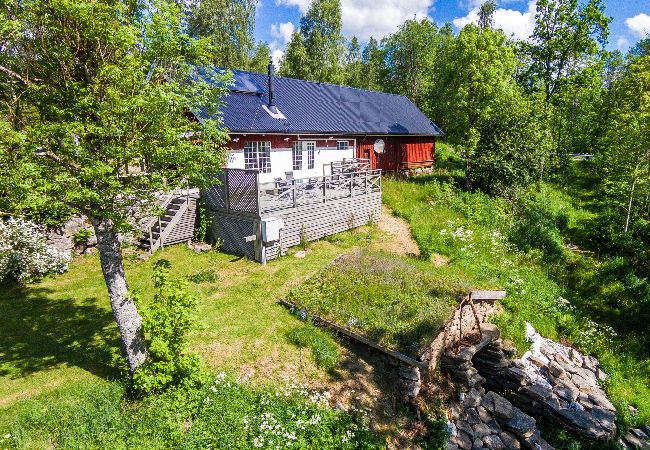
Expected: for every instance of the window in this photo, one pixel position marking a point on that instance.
(342, 145)
(311, 147)
(297, 155)
(257, 155)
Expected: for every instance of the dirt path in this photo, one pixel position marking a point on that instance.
(398, 230)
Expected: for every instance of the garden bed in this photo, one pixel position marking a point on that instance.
(397, 302)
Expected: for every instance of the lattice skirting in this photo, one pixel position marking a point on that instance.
(231, 231)
(312, 221)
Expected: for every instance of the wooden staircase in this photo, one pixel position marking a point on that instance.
(175, 225)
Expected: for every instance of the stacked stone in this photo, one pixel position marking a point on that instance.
(553, 381)
(417, 171)
(410, 380)
(63, 237)
(485, 420)
(459, 363)
(637, 438)
(560, 384)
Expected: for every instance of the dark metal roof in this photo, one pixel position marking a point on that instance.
(312, 107)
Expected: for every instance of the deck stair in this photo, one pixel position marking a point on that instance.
(175, 225)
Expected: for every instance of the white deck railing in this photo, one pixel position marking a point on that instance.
(239, 190)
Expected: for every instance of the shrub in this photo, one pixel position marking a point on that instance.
(82, 236)
(25, 254)
(167, 321)
(203, 221)
(537, 226)
(322, 345)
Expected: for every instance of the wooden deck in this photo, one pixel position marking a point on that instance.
(311, 208)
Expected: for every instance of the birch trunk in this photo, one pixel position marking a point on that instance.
(126, 315)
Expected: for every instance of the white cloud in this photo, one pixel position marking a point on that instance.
(639, 25)
(277, 56)
(378, 18)
(303, 5)
(471, 17)
(282, 33)
(519, 25)
(622, 43)
(365, 18)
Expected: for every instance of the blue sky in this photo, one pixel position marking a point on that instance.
(276, 19)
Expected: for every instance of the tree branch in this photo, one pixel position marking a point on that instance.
(71, 167)
(13, 74)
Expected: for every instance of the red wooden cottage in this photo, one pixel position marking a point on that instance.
(282, 125)
(305, 160)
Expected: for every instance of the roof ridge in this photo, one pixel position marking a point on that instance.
(321, 83)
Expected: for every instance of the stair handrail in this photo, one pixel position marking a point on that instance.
(170, 225)
(163, 205)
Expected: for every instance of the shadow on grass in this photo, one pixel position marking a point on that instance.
(39, 332)
(369, 379)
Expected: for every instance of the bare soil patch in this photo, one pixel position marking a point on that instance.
(400, 240)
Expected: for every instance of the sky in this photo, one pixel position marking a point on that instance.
(276, 19)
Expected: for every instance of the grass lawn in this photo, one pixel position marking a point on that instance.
(398, 302)
(61, 332)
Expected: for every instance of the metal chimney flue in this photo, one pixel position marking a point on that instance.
(271, 104)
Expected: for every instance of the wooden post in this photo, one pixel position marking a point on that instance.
(324, 188)
(226, 188)
(478, 322)
(160, 233)
(293, 191)
(257, 188)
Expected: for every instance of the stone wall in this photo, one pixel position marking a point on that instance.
(63, 237)
(484, 419)
(555, 382)
(500, 397)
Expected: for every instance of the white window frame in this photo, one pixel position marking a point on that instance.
(339, 145)
(296, 155)
(257, 156)
(311, 154)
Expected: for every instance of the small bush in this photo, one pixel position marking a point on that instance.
(304, 241)
(322, 345)
(25, 254)
(82, 236)
(203, 221)
(167, 321)
(538, 227)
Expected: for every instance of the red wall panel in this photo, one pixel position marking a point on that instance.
(399, 152)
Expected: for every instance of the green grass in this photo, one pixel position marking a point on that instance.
(396, 301)
(322, 345)
(61, 332)
(519, 246)
(223, 414)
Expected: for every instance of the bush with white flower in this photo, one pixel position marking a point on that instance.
(291, 416)
(25, 254)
